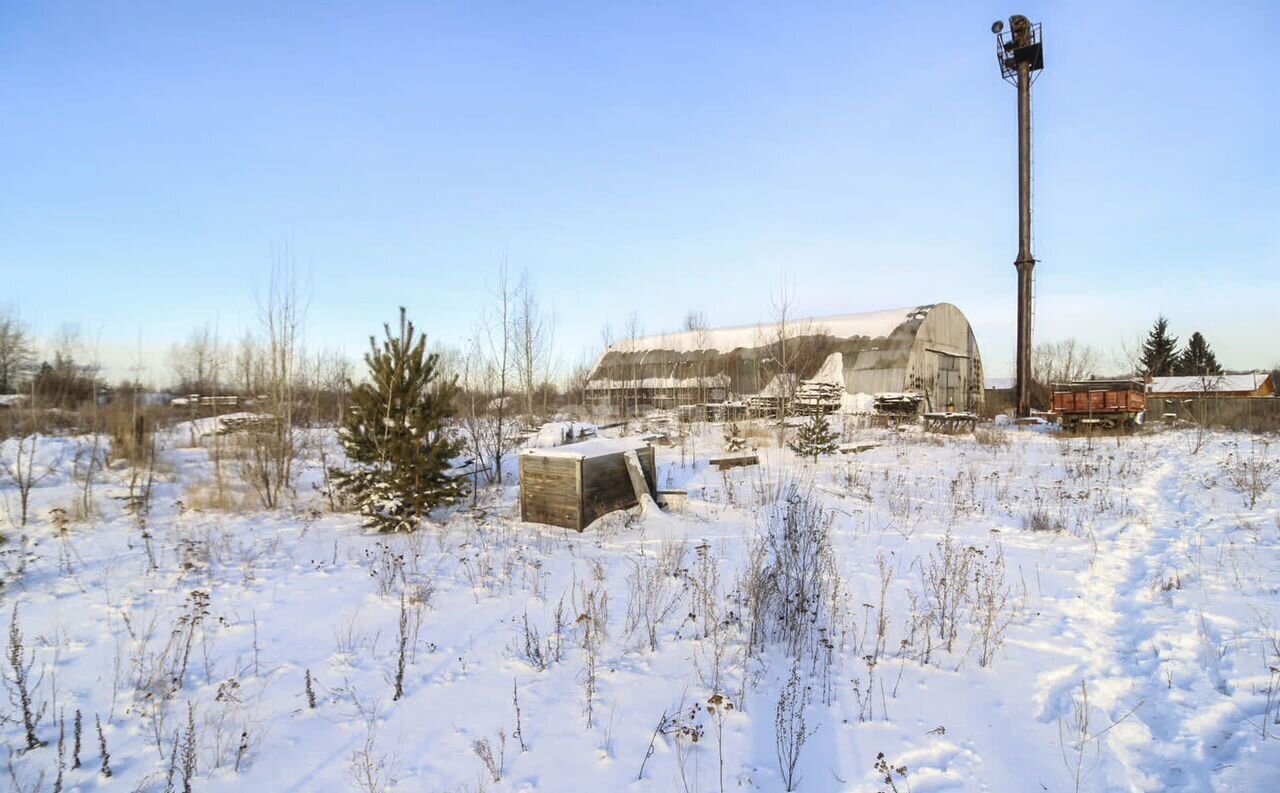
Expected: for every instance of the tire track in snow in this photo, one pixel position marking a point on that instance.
(1121, 622)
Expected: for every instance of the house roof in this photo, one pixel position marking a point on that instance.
(1250, 381)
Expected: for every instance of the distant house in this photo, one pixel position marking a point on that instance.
(1250, 384)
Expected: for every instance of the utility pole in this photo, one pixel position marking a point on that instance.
(1021, 56)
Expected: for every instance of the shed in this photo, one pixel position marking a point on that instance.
(573, 485)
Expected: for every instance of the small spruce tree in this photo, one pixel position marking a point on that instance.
(1198, 359)
(395, 434)
(816, 438)
(1159, 351)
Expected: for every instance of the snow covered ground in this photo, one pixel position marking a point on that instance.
(1012, 612)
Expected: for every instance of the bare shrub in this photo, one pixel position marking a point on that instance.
(592, 624)
(656, 587)
(993, 609)
(492, 763)
(946, 584)
(386, 567)
(268, 446)
(105, 755)
(1252, 474)
(991, 438)
(532, 648)
(796, 585)
(402, 647)
(25, 474)
(1040, 519)
(790, 729)
(18, 681)
(888, 771)
(309, 691)
(372, 771)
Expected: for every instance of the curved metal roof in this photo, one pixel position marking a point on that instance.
(874, 324)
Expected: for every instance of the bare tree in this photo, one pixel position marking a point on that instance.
(784, 348)
(578, 377)
(549, 362)
(531, 335)
(22, 470)
(65, 382)
(250, 366)
(269, 452)
(488, 372)
(635, 357)
(1063, 361)
(197, 363)
(695, 322)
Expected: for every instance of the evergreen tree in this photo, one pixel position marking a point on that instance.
(816, 438)
(395, 434)
(1159, 351)
(1198, 359)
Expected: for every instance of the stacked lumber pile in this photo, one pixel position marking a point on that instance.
(814, 396)
(898, 404)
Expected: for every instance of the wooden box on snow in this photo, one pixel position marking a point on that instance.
(573, 485)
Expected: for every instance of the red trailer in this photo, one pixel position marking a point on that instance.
(1099, 403)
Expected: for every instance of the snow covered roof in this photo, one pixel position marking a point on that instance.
(872, 325)
(1250, 381)
(1005, 383)
(599, 447)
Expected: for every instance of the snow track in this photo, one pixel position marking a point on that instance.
(1147, 667)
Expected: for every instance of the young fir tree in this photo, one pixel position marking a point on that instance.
(394, 433)
(816, 438)
(1159, 351)
(1198, 359)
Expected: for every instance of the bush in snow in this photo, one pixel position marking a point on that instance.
(395, 434)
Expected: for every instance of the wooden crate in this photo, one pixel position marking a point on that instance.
(573, 485)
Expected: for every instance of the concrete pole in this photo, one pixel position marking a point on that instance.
(1026, 262)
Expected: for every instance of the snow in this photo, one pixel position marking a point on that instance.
(1153, 613)
(857, 403)
(875, 324)
(212, 425)
(831, 371)
(597, 447)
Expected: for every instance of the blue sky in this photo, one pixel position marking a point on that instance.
(655, 157)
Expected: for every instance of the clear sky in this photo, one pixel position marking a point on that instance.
(656, 157)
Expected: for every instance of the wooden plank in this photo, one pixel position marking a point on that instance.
(578, 522)
(548, 491)
(636, 474)
(735, 461)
